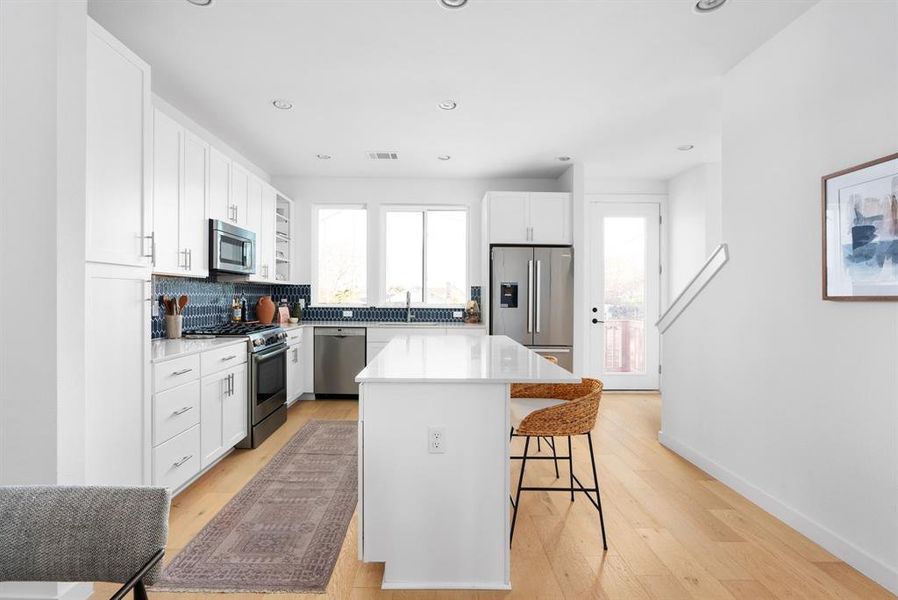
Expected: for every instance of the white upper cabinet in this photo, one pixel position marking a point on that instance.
(180, 199)
(529, 217)
(194, 233)
(167, 143)
(119, 150)
(220, 186)
(550, 218)
(509, 222)
(254, 207)
(265, 235)
(238, 210)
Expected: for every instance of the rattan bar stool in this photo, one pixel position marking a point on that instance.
(522, 405)
(574, 413)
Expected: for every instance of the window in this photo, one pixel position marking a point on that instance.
(342, 257)
(426, 254)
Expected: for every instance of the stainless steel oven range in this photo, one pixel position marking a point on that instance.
(267, 376)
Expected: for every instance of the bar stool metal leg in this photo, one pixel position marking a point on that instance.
(570, 457)
(595, 478)
(551, 442)
(517, 499)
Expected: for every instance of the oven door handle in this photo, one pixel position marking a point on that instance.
(266, 354)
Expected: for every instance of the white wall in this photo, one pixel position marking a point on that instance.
(791, 400)
(42, 189)
(693, 223)
(42, 162)
(375, 192)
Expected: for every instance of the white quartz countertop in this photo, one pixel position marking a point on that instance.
(164, 349)
(375, 324)
(460, 359)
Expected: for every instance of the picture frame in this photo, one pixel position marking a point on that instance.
(860, 232)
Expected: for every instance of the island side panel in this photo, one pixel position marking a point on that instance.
(435, 520)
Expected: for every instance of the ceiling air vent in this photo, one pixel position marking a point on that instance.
(383, 155)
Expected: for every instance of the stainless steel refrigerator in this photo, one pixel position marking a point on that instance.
(532, 298)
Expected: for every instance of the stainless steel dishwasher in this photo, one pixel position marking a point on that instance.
(339, 356)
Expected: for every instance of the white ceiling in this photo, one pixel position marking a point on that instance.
(616, 84)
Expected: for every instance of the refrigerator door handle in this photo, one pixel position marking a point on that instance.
(539, 279)
(529, 296)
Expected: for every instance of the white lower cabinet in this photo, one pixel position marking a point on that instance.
(177, 461)
(222, 412)
(295, 373)
(175, 411)
(199, 412)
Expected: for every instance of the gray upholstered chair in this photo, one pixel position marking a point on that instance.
(66, 533)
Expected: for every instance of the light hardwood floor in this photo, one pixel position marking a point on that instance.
(673, 531)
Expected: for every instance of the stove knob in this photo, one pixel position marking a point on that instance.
(258, 342)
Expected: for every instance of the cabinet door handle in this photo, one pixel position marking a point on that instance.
(152, 254)
(231, 357)
(178, 463)
(181, 372)
(182, 411)
(189, 259)
(230, 384)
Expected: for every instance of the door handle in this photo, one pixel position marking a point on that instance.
(181, 372)
(181, 411)
(595, 321)
(182, 461)
(538, 291)
(231, 357)
(529, 296)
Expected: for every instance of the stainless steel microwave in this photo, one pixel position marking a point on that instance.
(231, 249)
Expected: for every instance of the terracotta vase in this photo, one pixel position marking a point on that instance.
(265, 309)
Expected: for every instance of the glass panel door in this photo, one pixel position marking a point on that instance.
(624, 342)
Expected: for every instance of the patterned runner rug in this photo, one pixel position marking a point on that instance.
(283, 531)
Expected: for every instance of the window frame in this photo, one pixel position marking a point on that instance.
(382, 252)
(313, 297)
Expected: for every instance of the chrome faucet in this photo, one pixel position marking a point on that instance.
(408, 307)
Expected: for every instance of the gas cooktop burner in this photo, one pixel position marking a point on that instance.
(260, 336)
(227, 329)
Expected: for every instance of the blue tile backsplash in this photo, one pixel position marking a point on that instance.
(210, 303)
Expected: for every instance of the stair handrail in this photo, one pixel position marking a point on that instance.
(712, 266)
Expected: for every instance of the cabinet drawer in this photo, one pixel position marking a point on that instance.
(176, 461)
(219, 359)
(294, 335)
(175, 410)
(177, 371)
(385, 334)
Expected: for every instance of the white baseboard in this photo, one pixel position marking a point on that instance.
(19, 590)
(869, 565)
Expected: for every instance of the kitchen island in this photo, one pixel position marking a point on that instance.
(434, 458)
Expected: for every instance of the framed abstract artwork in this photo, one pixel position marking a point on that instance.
(860, 232)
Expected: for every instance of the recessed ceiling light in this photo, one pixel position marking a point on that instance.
(200, 2)
(448, 104)
(564, 158)
(282, 104)
(453, 3)
(685, 147)
(706, 6)
(323, 156)
(444, 157)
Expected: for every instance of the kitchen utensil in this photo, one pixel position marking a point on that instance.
(182, 303)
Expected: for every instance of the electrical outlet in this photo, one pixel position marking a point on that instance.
(436, 440)
(347, 313)
(457, 314)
